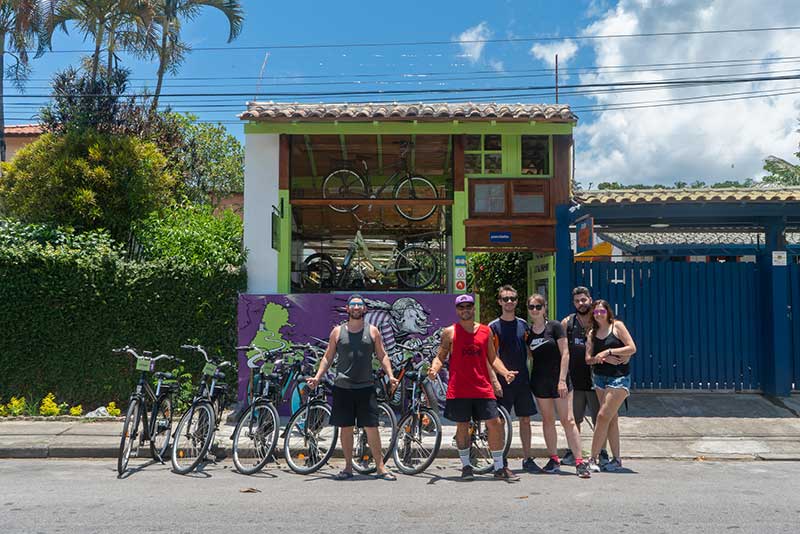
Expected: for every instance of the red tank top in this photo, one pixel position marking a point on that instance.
(469, 376)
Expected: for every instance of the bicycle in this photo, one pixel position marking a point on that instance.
(414, 265)
(346, 183)
(156, 430)
(419, 431)
(363, 461)
(256, 434)
(196, 429)
(309, 438)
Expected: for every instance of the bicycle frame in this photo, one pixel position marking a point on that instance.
(359, 244)
(401, 172)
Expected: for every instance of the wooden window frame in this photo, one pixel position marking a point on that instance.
(483, 153)
(509, 184)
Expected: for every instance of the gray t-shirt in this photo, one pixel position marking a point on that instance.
(354, 354)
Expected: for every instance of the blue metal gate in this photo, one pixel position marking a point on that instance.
(695, 324)
(794, 302)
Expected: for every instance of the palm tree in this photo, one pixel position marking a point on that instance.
(19, 26)
(169, 15)
(112, 24)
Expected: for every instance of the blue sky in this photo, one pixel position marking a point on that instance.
(662, 144)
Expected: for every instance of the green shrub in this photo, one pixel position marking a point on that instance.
(487, 272)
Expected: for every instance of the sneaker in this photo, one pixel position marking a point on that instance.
(614, 465)
(583, 470)
(467, 473)
(552, 467)
(568, 459)
(529, 465)
(603, 459)
(593, 467)
(506, 474)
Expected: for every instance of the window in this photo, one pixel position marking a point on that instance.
(536, 155)
(501, 198)
(483, 154)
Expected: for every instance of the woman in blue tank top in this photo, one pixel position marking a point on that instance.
(609, 347)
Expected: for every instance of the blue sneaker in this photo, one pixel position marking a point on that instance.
(568, 459)
(614, 465)
(552, 467)
(529, 465)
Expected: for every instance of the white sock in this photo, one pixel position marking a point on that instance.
(464, 455)
(497, 456)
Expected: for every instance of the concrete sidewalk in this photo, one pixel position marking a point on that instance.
(657, 426)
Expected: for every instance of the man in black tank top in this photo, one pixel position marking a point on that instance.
(355, 344)
(584, 400)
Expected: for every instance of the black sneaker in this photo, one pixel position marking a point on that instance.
(552, 467)
(603, 459)
(467, 473)
(529, 465)
(506, 474)
(582, 470)
(568, 459)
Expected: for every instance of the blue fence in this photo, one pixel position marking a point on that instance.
(695, 324)
(794, 302)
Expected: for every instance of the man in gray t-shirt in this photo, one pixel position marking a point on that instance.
(355, 344)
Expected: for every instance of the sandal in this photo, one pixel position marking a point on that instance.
(343, 475)
(386, 476)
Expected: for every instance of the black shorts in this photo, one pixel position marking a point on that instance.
(355, 407)
(547, 387)
(518, 397)
(464, 410)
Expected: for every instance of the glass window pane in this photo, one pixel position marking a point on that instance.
(472, 163)
(492, 164)
(528, 203)
(489, 198)
(472, 142)
(535, 154)
(492, 142)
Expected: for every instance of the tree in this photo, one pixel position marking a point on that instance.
(19, 26)
(111, 24)
(87, 180)
(170, 49)
(211, 161)
(781, 172)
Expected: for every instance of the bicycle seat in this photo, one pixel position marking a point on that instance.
(164, 376)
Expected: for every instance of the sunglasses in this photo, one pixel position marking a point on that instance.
(508, 299)
(600, 311)
(356, 304)
(465, 306)
(535, 306)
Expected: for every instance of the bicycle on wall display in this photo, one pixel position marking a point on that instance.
(414, 265)
(156, 427)
(347, 184)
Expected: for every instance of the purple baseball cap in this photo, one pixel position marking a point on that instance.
(464, 299)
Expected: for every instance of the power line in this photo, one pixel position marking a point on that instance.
(472, 41)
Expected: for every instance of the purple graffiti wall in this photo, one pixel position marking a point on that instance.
(275, 321)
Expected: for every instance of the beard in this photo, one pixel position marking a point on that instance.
(583, 310)
(356, 314)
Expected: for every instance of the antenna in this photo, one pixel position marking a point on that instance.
(261, 76)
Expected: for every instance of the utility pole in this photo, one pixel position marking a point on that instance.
(556, 78)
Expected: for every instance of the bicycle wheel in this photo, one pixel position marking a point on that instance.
(192, 438)
(480, 454)
(419, 436)
(310, 439)
(318, 271)
(363, 461)
(162, 428)
(344, 184)
(416, 188)
(255, 438)
(130, 433)
(416, 267)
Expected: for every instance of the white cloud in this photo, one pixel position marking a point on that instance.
(473, 50)
(547, 52)
(713, 141)
(497, 65)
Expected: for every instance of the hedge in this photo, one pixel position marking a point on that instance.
(62, 310)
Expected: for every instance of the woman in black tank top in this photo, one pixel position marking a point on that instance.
(609, 348)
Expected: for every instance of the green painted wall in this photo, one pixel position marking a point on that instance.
(285, 252)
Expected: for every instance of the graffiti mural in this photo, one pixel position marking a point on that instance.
(411, 326)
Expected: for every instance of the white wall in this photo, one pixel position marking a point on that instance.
(260, 194)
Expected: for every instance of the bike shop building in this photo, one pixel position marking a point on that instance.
(387, 200)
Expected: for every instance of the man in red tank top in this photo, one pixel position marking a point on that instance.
(470, 394)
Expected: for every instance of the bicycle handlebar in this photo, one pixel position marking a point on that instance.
(132, 351)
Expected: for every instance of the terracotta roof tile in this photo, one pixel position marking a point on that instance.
(722, 237)
(23, 130)
(276, 111)
(661, 196)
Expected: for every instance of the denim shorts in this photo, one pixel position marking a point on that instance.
(616, 382)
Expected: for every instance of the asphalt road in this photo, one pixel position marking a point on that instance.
(77, 496)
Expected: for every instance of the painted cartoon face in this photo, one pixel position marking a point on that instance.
(414, 320)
